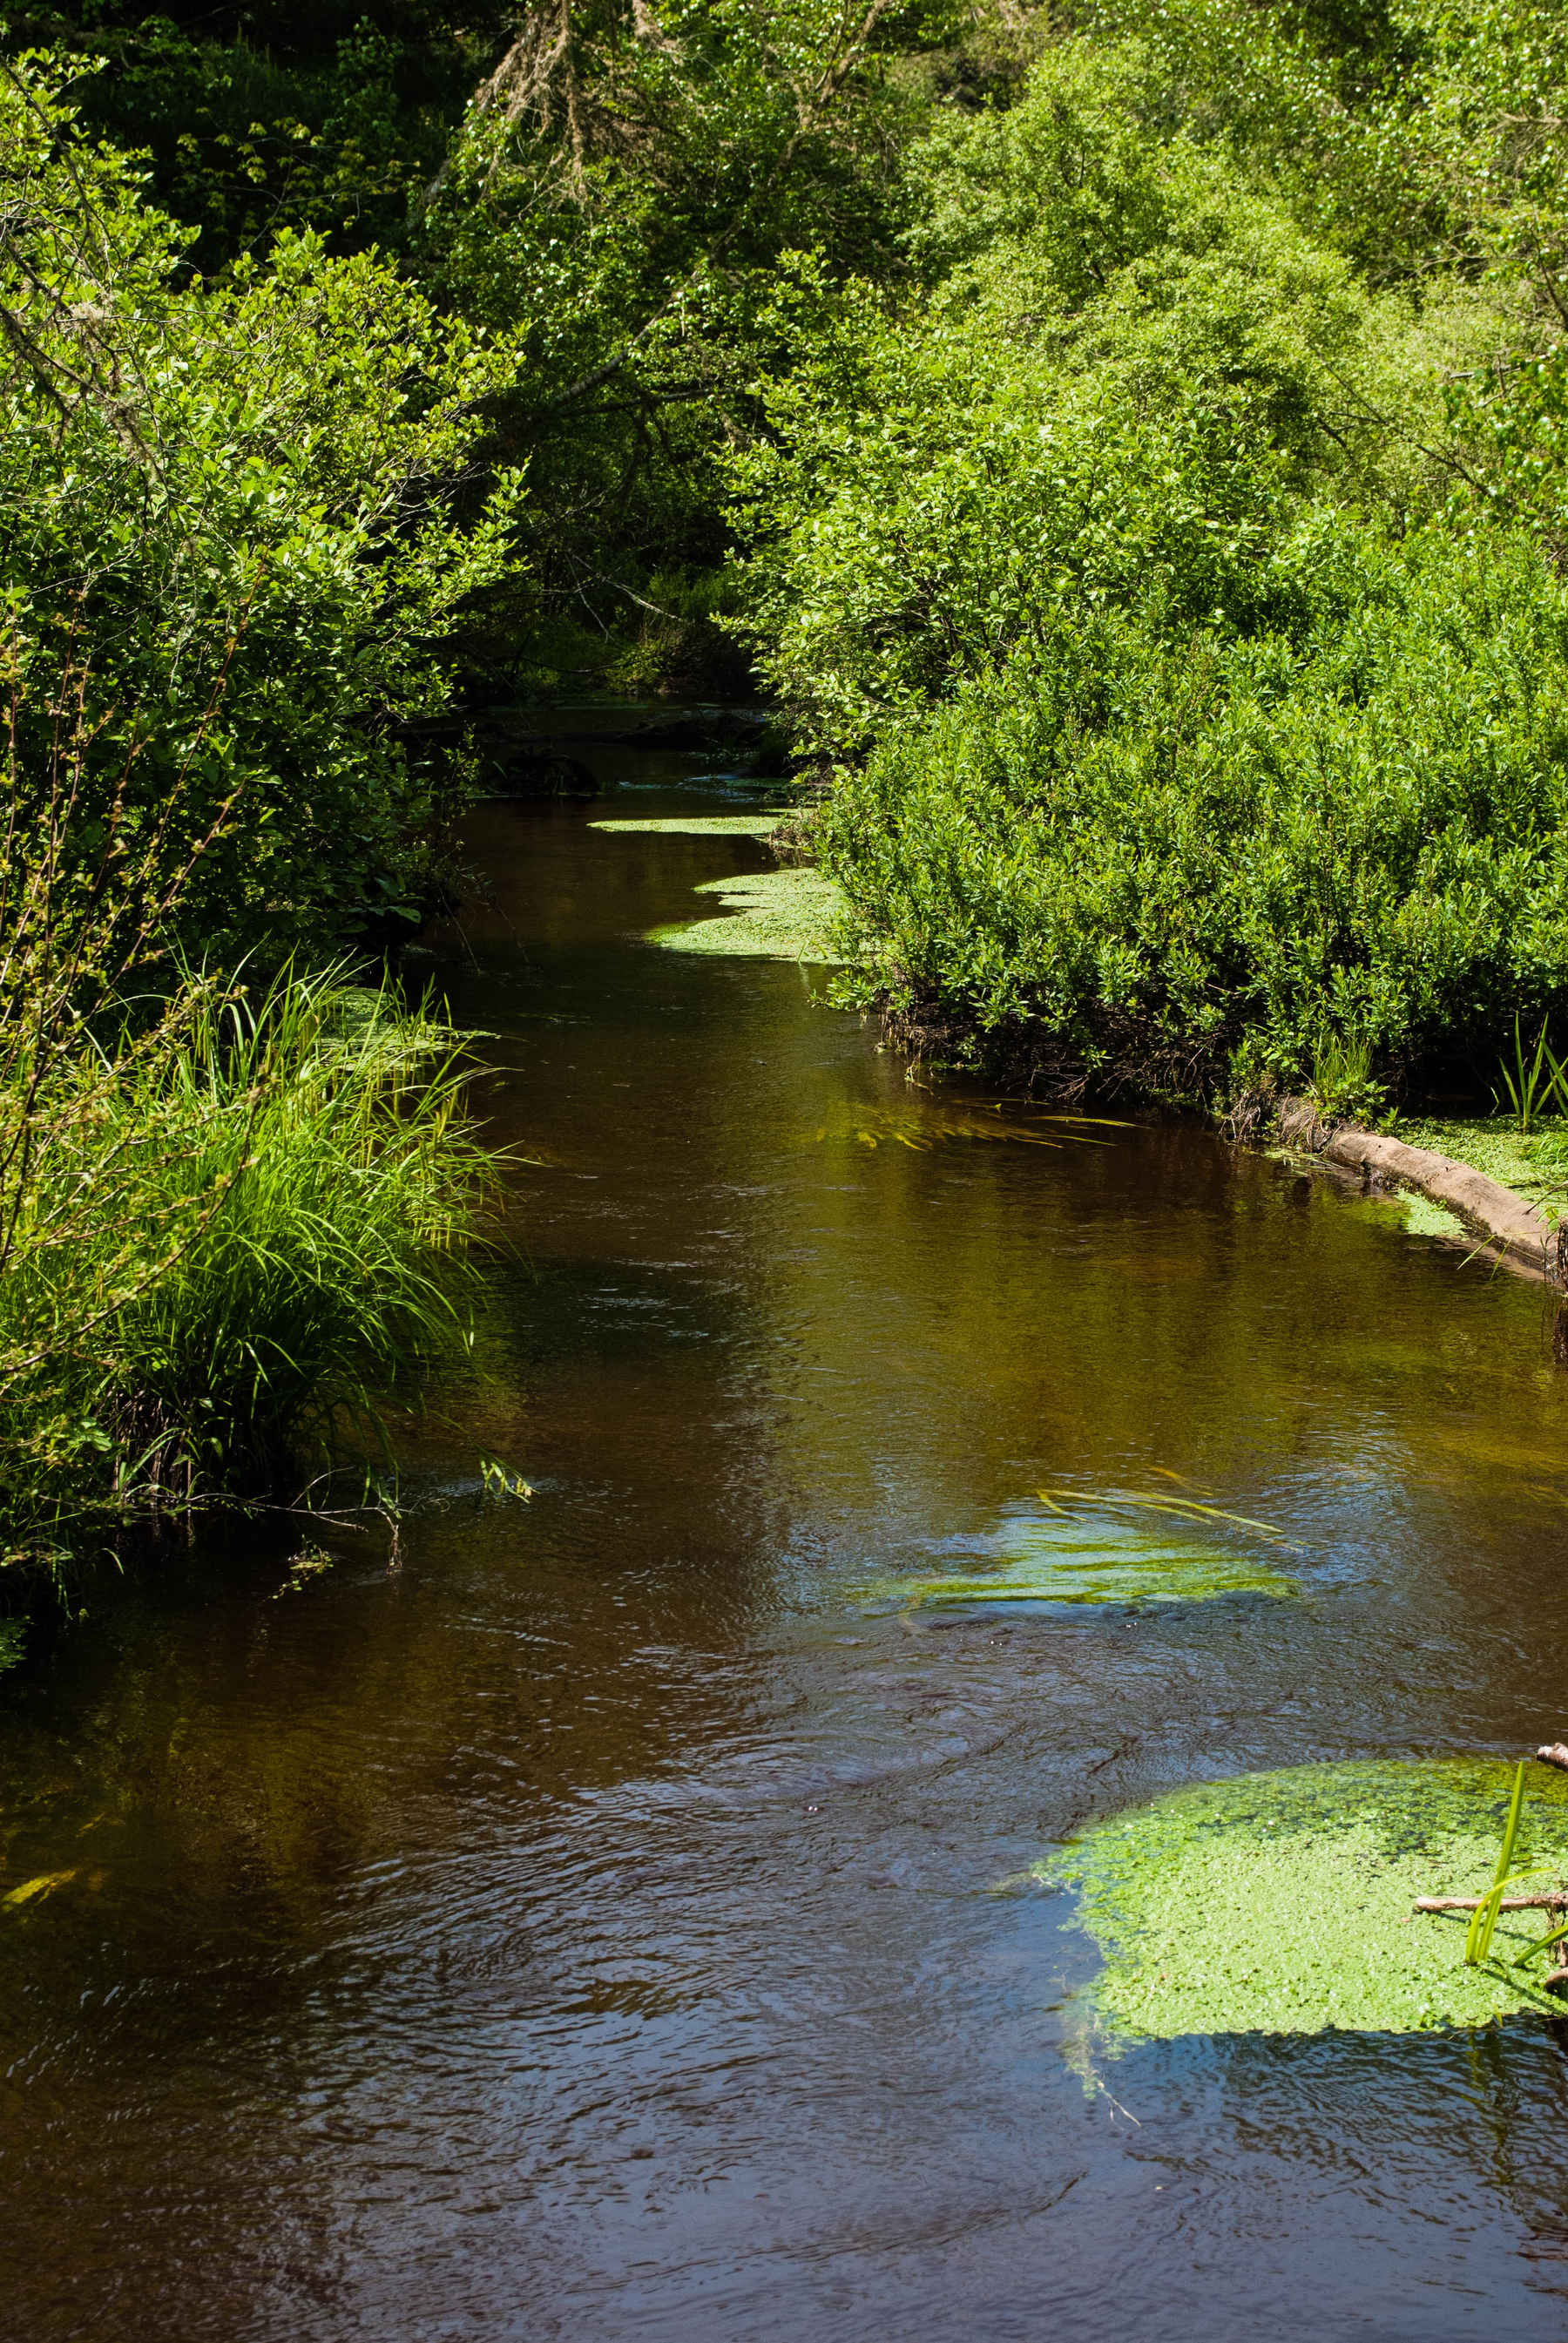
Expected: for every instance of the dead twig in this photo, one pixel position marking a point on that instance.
(1554, 1900)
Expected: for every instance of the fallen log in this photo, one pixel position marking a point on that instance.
(1524, 1236)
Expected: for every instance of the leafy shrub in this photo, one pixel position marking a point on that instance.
(1134, 375)
(1186, 864)
(1164, 600)
(239, 516)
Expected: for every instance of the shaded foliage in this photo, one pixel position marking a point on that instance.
(234, 540)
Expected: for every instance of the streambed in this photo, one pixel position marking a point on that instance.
(590, 1926)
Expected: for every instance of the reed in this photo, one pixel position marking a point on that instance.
(1342, 1078)
(1536, 1082)
(1484, 1919)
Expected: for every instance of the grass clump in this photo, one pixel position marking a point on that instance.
(226, 1232)
(1282, 1903)
(1534, 1082)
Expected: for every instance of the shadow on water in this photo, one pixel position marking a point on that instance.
(585, 1929)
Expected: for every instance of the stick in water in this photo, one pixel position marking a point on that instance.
(1554, 1900)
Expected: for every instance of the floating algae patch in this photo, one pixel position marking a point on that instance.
(1281, 1903)
(1416, 1215)
(1423, 1217)
(703, 825)
(786, 914)
(772, 915)
(1033, 1563)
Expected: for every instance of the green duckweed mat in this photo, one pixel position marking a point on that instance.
(761, 824)
(1534, 1164)
(1413, 1215)
(1281, 1903)
(1425, 1218)
(787, 914)
(1097, 1556)
(771, 915)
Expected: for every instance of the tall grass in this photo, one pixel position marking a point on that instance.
(233, 1219)
(232, 1214)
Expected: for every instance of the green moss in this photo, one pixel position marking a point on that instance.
(1281, 1903)
(1536, 1166)
(1034, 1563)
(773, 915)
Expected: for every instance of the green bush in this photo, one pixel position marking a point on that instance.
(1188, 864)
(240, 520)
(1135, 374)
(1168, 596)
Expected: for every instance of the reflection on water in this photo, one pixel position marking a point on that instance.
(585, 1929)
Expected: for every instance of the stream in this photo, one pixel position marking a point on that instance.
(599, 1919)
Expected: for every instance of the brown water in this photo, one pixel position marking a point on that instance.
(586, 1929)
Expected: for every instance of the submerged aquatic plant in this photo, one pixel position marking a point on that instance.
(1093, 1554)
(1159, 1501)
